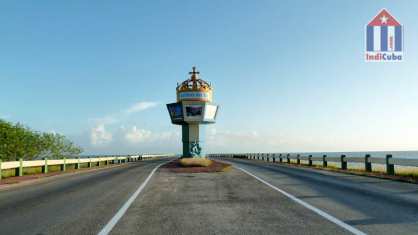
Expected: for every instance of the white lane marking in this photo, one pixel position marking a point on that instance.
(109, 226)
(307, 205)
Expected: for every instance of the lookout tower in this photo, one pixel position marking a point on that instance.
(193, 108)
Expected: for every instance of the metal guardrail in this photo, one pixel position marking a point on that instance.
(63, 163)
(367, 160)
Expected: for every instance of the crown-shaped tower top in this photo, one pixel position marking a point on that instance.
(195, 84)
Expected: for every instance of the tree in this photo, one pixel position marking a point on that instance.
(18, 141)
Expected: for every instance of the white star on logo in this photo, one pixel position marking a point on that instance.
(384, 19)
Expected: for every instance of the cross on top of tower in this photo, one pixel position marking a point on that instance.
(194, 72)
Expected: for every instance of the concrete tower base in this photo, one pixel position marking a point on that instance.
(192, 137)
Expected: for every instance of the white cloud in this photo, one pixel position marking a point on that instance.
(123, 114)
(135, 135)
(100, 136)
(241, 141)
(167, 136)
(129, 139)
(140, 106)
(105, 120)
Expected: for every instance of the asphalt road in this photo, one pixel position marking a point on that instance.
(372, 205)
(74, 204)
(230, 202)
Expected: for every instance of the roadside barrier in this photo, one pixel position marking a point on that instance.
(45, 165)
(343, 160)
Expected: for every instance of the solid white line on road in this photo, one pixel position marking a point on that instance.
(307, 205)
(109, 226)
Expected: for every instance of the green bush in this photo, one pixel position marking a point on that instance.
(18, 141)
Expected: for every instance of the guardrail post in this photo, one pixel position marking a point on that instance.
(63, 166)
(288, 159)
(367, 163)
(343, 162)
(298, 159)
(77, 165)
(19, 170)
(324, 161)
(310, 160)
(0, 168)
(390, 168)
(45, 166)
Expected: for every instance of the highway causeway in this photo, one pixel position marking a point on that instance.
(253, 197)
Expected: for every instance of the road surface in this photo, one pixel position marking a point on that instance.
(231, 202)
(75, 204)
(372, 205)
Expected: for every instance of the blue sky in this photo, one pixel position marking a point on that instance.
(289, 75)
